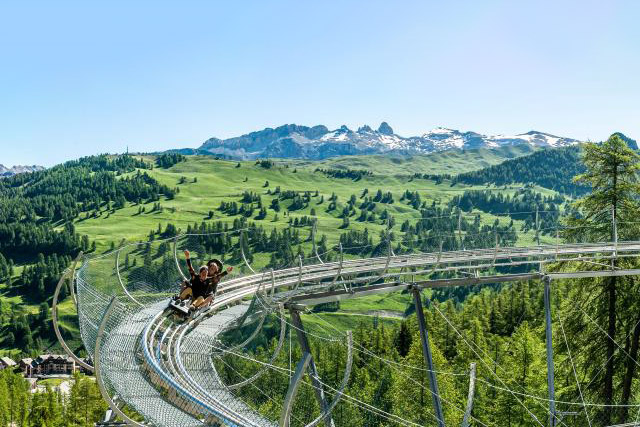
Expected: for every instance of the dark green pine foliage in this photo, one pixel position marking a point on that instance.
(169, 159)
(355, 175)
(523, 205)
(550, 168)
(83, 407)
(37, 211)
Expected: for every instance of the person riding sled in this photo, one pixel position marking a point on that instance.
(202, 286)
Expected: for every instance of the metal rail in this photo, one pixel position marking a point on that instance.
(124, 288)
(54, 313)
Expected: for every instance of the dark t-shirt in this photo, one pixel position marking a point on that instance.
(203, 288)
(200, 288)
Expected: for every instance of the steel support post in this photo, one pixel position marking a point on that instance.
(614, 227)
(294, 383)
(537, 227)
(426, 351)
(460, 228)
(313, 372)
(472, 391)
(549, 341)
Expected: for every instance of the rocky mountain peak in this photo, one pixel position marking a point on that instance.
(385, 129)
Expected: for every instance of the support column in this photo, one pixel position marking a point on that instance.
(313, 372)
(549, 341)
(537, 227)
(426, 351)
(460, 228)
(294, 383)
(472, 391)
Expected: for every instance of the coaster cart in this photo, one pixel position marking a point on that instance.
(181, 310)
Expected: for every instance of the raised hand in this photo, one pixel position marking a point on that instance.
(187, 254)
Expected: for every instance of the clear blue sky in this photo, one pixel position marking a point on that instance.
(83, 78)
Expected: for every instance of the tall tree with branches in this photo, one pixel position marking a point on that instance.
(610, 213)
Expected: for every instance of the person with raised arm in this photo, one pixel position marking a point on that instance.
(203, 285)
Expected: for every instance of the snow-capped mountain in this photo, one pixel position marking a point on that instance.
(318, 142)
(5, 171)
(446, 139)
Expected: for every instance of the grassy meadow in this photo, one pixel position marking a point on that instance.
(219, 181)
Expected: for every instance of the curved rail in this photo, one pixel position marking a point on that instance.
(314, 230)
(54, 314)
(301, 367)
(254, 334)
(124, 288)
(181, 389)
(244, 257)
(175, 257)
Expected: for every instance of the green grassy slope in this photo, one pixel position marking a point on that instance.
(221, 180)
(445, 162)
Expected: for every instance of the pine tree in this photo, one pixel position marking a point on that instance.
(17, 398)
(411, 394)
(4, 399)
(609, 212)
(403, 339)
(45, 410)
(521, 371)
(345, 222)
(85, 402)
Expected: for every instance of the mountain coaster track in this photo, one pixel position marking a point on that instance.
(163, 369)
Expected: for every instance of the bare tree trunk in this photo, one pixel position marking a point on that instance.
(611, 330)
(631, 370)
